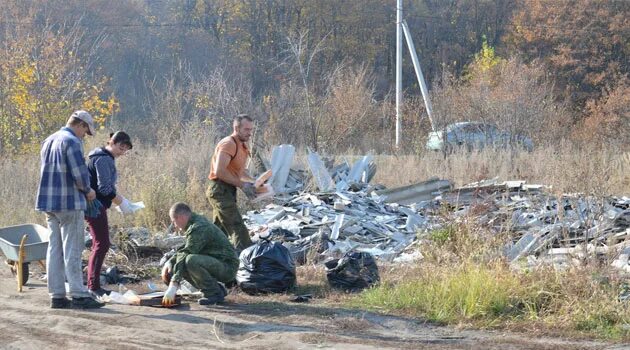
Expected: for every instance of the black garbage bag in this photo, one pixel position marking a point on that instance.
(310, 247)
(266, 267)
(354, 272)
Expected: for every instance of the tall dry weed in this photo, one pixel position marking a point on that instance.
(167, 172)
(566, 167)
(515, 96)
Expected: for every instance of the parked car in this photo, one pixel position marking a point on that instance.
(475, 135)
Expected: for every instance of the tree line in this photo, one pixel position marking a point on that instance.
(323, 67)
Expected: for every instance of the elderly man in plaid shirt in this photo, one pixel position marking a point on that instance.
(64, 188)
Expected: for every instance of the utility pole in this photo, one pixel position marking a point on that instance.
(399, 19)
(419, 76)
(401, 26)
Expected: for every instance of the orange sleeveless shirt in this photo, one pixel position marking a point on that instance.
(238, 153)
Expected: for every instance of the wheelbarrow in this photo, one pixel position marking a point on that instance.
(22, 244)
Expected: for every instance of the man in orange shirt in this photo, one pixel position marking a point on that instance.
(227, 172)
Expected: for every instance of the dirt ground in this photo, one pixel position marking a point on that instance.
(27, 322)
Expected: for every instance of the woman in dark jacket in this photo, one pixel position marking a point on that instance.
(103, 176)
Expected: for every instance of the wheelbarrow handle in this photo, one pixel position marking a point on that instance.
(21, 257)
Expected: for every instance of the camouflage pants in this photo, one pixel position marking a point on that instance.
(225, 215)
(203, 271)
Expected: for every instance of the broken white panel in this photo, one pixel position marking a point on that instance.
(522, 246)
(353, 230)
(281, 160)
(400, 237)
(338, 205)
(290, 224)
(580, 251)
(313, 199)
(409, 257)
(482, 183)
(294, 181)
(414, 221)
(518, 198)
(322, 178)
(360, 169)
(342, 185)
(372, 250)
(347, 200)
(277, 216)
(303, 219)
(523, 219)
(386, 255)
(376, 198)
(400, 246)
(340, 172)
(512, 183)
(342, 246)
(415, 193)
(384, 219)
(533, 187)
(334, 235)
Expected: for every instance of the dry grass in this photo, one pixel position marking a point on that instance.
(160, 175)
(566, 167)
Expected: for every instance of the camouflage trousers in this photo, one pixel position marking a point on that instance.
(222, 198)
(203, 272)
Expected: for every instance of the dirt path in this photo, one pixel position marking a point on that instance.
(27, 322)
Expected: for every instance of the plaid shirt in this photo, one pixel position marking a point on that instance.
(64, 175)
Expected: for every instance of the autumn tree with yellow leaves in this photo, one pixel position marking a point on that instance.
(43, 79)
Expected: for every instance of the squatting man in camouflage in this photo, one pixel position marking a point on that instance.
(207, 260)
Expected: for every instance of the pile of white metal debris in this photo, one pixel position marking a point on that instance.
(345, 213)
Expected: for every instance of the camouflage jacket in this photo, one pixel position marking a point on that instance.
(205, 238)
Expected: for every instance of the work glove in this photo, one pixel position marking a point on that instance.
(125, 206)
(169, 295)
(249, 190)
(166, 272)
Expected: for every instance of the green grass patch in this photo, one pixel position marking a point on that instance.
(469, 292)
(610, 320)
(570, 303)
(442, 236)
